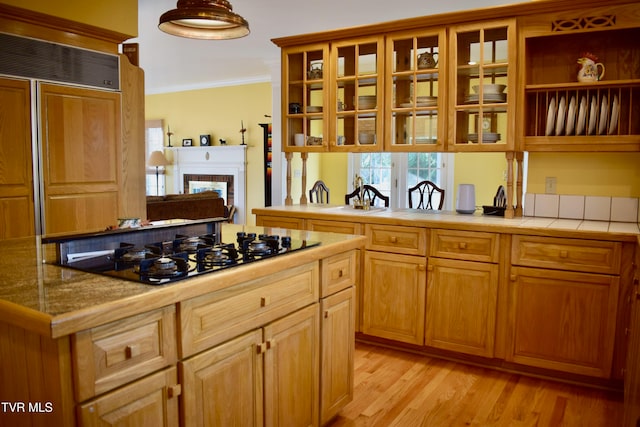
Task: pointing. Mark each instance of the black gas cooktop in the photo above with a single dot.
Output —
(156, 259)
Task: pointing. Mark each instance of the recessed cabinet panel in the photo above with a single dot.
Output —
(483, 83)
(413, 91)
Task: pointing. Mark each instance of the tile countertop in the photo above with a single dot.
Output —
(626, 231)
(55, 301)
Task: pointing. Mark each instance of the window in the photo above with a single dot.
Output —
(154, 140)
(394, 173)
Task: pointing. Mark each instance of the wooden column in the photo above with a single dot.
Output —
(288, 201)
(303, 197)
(509, 212)
(519, 179)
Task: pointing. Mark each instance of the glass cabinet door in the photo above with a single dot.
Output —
(415, 91)
(305, 102)
(357, 96)
(483, 87)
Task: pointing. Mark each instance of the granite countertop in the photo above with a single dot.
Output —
(56, 301)
(626, 231)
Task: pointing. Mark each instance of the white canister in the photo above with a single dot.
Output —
(299, 139)
(466, 199)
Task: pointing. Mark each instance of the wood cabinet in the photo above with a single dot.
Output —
(339, 278)
(415, 79)
(394, 283)
(336, 368)
(563, 315)
(81, 151)
(114, 354)
(277, 364)
(563, 114)
(280, 222)
(152, 400)
(483, 86)
(16, 172)
(462, 292)
(305, 97)
(393, 296)
(292, 368)
(632, 375)
(209, 399)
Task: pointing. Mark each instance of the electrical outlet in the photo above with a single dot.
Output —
(550, 185)
(297, 173)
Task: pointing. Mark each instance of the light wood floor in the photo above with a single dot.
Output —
(394, 388)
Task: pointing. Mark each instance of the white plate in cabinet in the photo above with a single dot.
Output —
(396, 239)
(114, 354)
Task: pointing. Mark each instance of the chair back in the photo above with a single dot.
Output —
(427, 195)
(370, 192)
(319, 193)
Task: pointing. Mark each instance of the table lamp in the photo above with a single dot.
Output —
(157, 159)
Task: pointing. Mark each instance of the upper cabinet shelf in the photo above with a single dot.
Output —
(482, 86)
(496, 79)
(562, 113)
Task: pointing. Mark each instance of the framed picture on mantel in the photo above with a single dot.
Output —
(187, 142)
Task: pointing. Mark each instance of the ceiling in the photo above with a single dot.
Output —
(175, 64)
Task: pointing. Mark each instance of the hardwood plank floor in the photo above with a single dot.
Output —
(396, 388)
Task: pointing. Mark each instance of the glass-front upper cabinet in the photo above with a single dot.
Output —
(305, 101)
(415, 91)
(357, 97)
(483, 80)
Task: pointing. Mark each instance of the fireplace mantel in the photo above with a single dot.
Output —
(216, 161)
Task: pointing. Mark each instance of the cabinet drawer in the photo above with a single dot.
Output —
(465, 245)
(396, 239)
(334, 226)
(338, 272)
(567, 254)
(280, 222)
(111, 355)
(210, 319)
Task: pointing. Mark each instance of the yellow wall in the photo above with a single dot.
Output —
(115, 15)
(591, 174)
(219, 112)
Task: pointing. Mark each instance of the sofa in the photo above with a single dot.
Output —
(207, 204)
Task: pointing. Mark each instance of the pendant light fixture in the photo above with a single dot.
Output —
(204, 19)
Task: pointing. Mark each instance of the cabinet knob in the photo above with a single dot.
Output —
(271, 343)
(430, 268)
(131, 351)
(462, 245)
(422, 267)
(174, 391)
(261, 348)
(394, 239)
(513, 277)
(564, 254)
(326, 314)
(265, 301)
(340, 273)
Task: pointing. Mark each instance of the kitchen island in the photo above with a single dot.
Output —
(541, 296)
(78, 347)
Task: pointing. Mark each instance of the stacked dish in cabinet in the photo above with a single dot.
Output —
(579, 112)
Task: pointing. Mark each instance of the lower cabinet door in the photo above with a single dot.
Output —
(563, 320)
(292, 369)
(224, 386)
(151, 401)
(393, 296)
(461, 306)
(336, 370)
